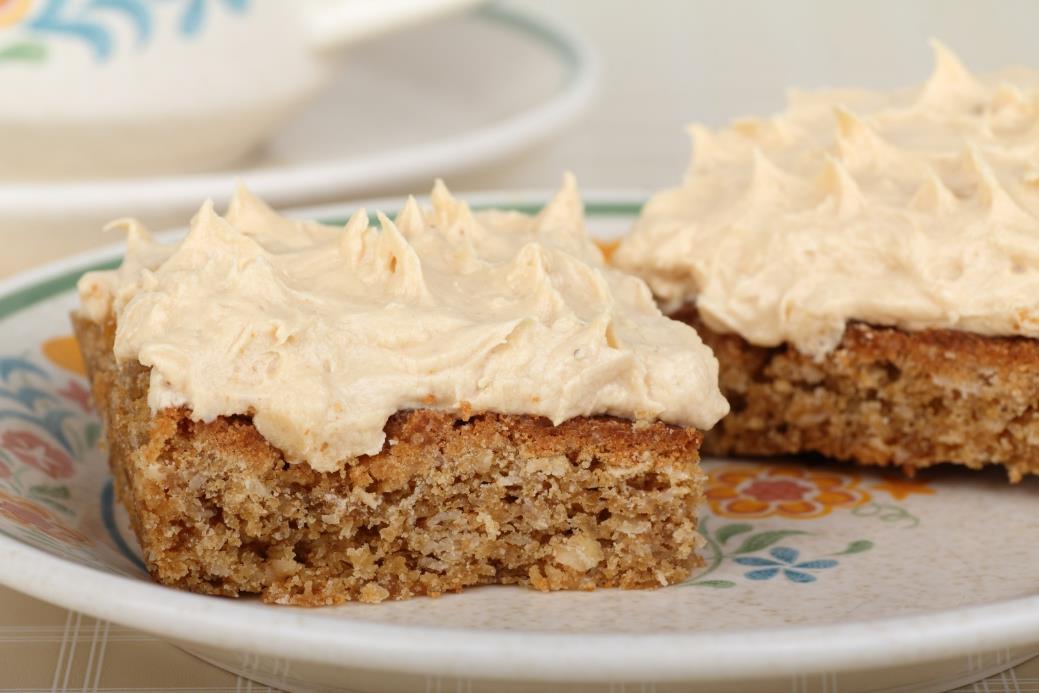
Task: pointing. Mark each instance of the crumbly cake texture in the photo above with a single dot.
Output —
(884, 397)
(452, 500)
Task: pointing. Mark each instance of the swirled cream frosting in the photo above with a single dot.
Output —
(917, 208)
(320, 333)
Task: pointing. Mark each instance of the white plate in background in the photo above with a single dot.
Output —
(403, 109)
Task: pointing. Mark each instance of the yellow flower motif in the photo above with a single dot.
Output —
(755, 491)
(64, 352)
(900, 489)
(13, 11)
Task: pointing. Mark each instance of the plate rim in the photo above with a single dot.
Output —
(314, 636)
(288, 184)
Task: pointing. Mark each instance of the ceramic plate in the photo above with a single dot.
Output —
(818, 576)
(406, 108)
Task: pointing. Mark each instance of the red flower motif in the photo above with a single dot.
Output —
(749, 490)
(79, 395)
(23, 513)
(28, 514)
(781, 490)
(32, 450)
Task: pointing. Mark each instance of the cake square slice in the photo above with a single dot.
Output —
(453, 494)
(865, 266)
(884, 396)
(455, 500)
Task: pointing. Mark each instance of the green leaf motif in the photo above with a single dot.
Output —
(716, 584)
(887, 512)
(49, 491)
(856, 547)
(24, 52)
(763, 540)
(729, 531)
(93, 432)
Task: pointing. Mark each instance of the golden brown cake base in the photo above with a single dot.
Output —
(882, 397)
(449, 502)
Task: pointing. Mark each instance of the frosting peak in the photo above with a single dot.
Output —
(917, 208)
(321, 333)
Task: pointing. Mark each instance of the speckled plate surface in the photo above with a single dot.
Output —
(818, 576)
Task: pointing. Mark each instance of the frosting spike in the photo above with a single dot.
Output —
(933, 196)
(207, 221)
(947, 65)
(251, 214)
(403, 268)
(351, 245)
(134, 229)
(853, 133)
(529, 273)
(441, 196)
(850, 128)
(1010, 111)
(949, 79)
(769, 182)
(706, 151)
(357, 223)
(860, 145)
(978, 169)
(991, 191)
(253, 217)
(855, 140)
(564, 211)
(453, 217)
(138, 236)
(208, 231)
(242, 200)
(839, 185)
(763, 133)
(410, 219)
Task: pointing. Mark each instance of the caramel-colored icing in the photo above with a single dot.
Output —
(917, 208)
(322, 333)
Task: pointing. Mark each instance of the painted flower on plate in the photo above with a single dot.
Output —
(30, 515)
(784, 560)
(13, 11)
(78, 395)
(32, 450)
(750, 491)
(900, 488)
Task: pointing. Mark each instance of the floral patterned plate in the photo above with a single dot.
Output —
(818, 576)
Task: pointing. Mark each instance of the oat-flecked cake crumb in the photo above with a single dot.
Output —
(450, 501)
(883, 396)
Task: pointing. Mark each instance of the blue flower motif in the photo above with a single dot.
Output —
(785, 561)
(13, 364)
(88, 22)
(194, 14)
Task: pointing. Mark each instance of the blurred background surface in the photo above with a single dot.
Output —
(493, 100)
